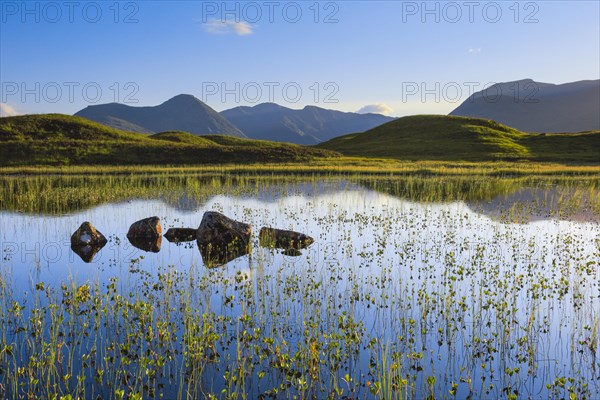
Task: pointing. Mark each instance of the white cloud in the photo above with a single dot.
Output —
(220, 27)
(379, 108)
(473, 50)
(7, 110)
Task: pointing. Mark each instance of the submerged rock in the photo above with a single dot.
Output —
(151, 245)
(178, 235)
(145, 228)
(221, 239)
(86, 242)
(282, 239)
(87, 235)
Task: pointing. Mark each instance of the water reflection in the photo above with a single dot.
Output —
(216, 256)
(87, 252)
(181, 235)
(149, 244)
(529, 204)
(292, 252)
(433, 286)
(572, 199)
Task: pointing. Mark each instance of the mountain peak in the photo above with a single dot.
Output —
(533, 106)
(183, 98)
(183, 112)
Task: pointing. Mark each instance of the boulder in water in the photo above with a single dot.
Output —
(221, 239)
(282, 239)
(178, 235)
(145, 228)
(86, 242)
(87, 235)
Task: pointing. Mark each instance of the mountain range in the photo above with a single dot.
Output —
(525, 105)
(311, 125)
(267, 121)
(538, 107)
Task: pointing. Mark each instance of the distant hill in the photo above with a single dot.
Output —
(55, 139)
(439, 137)
(181, 113)
(538, 107)
(311, 125)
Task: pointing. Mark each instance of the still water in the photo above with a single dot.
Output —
(395, 299)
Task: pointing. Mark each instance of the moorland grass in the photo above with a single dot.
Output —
(55, 139)
(439, 137)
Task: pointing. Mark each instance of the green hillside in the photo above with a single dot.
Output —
(438, 137)
(55, 139)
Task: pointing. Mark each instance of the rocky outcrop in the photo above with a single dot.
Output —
(178, 235)
(220, 231)
(221, 239)
(282, 239)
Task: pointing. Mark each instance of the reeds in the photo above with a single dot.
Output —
(476, 308)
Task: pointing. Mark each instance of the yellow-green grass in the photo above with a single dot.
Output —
(55, 139)
(438, 137)
(423, 144)
(59, 193)
(339, 166)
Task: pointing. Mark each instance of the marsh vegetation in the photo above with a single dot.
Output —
(426, 285)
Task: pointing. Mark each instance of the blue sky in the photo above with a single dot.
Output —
(398, 57)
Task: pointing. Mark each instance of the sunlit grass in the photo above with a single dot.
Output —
(337, 166)
(57, 191)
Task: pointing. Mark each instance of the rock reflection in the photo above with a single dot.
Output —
(151, 245)
(215, 256)
(87, 252)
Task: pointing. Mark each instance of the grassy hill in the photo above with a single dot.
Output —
(56, 139)
(438, 137)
